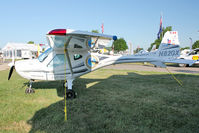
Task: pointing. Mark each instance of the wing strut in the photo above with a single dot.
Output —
(96, 41)
(67, 54)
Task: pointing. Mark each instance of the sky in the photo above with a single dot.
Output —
(137, 21)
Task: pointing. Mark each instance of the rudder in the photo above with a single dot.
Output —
(169, 47)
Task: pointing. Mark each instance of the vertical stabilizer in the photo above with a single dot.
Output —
(169, 47)
(171, 37)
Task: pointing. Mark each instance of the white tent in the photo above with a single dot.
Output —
(1, 53)
(20, 51)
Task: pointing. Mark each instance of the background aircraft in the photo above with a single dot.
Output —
(73, 53)
(190, 55)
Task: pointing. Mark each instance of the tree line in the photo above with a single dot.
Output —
(118, 45)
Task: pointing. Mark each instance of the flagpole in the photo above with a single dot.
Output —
(191, 43)
(162, 24)
(102, 27)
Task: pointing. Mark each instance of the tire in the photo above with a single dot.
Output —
(70, 94)
(29, 91)
(183, 65)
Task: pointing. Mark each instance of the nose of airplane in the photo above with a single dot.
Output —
(25, 67)
(21, 68)
(13, 65)
(22, 65)
(18, 65)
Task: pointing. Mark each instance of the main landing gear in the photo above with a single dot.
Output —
(70, 93)
(29, 90)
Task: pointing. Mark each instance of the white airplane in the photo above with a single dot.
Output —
(72, 54)
(189, 54)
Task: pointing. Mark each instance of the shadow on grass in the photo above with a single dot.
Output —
(78, 83)
(123, 103)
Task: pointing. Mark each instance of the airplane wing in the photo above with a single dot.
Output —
(91, 34)
(68, 32)
(77, 39)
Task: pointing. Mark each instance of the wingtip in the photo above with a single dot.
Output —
(114, 38)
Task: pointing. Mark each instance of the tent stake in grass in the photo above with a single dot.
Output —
(178, 81)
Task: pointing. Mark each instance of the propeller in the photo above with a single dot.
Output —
(12, 67)
(11, 71)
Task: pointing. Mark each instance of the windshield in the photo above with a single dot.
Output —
(45, 54)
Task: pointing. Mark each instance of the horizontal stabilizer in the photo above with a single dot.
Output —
(159, 64)
(180, 61)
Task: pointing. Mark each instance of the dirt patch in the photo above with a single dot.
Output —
(4, 66)
(20, 126)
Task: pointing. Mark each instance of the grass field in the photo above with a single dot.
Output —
(112, 101)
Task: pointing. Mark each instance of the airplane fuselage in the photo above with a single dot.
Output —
(56, 67)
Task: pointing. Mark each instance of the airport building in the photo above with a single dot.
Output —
(21, 51)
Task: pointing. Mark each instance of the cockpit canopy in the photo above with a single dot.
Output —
(44, 55)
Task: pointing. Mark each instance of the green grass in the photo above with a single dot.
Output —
(111, 101)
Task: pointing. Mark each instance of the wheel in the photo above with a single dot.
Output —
(183, 65)
(70, 94)
(29, 90)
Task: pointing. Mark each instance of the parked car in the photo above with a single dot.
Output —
(191, 55)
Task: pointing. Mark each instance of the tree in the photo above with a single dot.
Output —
(31, 42)
(120, 45)
(95, 31)
(138, 49)
(184, 48)
(158, 41)
(195, 45)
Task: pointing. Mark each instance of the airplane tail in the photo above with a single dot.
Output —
(171, 37)
(169, 50)
(169, 47)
